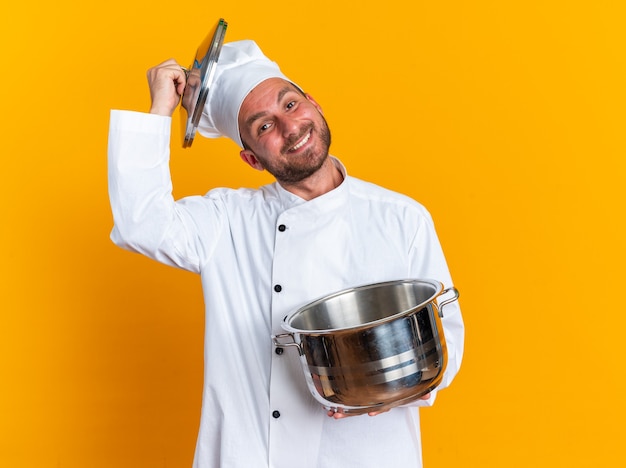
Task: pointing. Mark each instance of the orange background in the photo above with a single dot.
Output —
(506, 119)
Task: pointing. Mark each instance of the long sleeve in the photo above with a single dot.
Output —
(147, 220)
(428, 261)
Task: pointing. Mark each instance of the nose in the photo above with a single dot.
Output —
(289, 126)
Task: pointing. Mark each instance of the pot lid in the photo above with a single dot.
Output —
(199, 78)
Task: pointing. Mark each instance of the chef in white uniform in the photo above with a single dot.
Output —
(262, 253)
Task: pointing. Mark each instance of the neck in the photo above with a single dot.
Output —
(327, 178)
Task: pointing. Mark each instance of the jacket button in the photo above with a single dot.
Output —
(279, 351)
(278, 288)
(282, 228)
(276, 414)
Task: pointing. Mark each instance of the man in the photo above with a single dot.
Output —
(264, 253)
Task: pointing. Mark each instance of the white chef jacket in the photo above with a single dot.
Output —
(262, 254)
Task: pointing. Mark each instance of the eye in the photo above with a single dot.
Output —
(264, 127)
(290, 104)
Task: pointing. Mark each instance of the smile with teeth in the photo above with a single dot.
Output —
(302, 142)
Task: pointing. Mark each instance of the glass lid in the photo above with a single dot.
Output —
(199, 78)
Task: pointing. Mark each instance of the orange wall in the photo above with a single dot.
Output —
(506, 119)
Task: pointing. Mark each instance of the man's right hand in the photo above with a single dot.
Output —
(167, 83)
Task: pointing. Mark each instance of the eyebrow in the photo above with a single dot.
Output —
(250, 120)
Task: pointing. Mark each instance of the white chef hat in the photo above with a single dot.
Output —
(241, 66)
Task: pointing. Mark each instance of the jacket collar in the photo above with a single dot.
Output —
(327, 201)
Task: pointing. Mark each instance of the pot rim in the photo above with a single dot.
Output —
(286, 325)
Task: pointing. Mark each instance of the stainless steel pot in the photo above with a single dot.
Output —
(373, 347)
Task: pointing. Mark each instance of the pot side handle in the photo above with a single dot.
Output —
(448, 301)
(276, 339)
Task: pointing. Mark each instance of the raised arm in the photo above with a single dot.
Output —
(147, 219)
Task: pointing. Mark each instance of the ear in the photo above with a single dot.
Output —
(250, 159)
(314, 102)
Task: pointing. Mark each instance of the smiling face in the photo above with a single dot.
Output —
(283, 131)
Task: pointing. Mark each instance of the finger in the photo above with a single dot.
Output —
(168, 72)
(337, 415)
